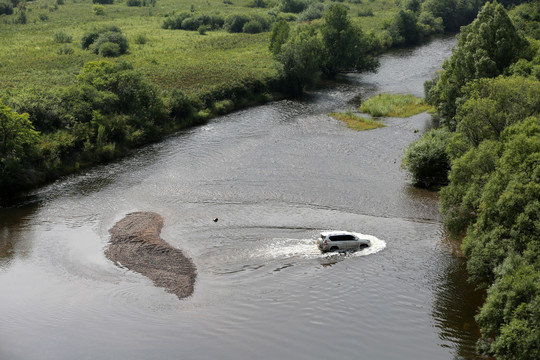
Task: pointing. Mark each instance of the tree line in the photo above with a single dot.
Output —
(486, 160)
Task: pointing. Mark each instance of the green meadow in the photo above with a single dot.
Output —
(171, 59)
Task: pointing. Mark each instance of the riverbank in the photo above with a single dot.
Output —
(136, 245)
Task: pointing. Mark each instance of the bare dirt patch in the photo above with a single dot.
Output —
(136, 244)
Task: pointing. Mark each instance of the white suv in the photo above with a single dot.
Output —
(341, 240)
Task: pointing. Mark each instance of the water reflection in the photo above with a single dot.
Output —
(13, 221)
(456, 303)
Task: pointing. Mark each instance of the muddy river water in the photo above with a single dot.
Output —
(275, 176)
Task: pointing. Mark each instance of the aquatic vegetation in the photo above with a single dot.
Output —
(355, 122)
(394, 105)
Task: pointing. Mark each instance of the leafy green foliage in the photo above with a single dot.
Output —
(61, 37)
(427, 160)
(6, 8)
(97, 38)
(510, 202)
(345, 46)
(280, 34)
(301, 57)
(18, 140)
(512, 310)
(108, 38)
(485, 48)
(312, 12)
(404, 28)
(16, 133)
(293, 6)
(98, 10)
(454, 13)
(491, 105)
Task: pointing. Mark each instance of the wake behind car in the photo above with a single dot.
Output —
(341, 240)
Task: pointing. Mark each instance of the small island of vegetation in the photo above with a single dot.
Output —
(357, 122)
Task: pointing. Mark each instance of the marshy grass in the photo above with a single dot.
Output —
(355, 122)
(394, 105)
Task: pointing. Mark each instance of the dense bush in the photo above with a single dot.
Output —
(65, 50)
(258, 4)
(345, 45)
(99, 10)
(96, 38)
(61, 37)
(280, 34)
(427, 160)
(6, 8)
(103, 2)
(109, 49)
(313, 12)
(293, 6)
(18, 141)
(235, 23)
(20, 18)
(188, 21)
(252, 27)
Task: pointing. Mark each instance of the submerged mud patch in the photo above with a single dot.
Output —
(135, 244)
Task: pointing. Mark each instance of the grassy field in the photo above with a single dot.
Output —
(197, 64)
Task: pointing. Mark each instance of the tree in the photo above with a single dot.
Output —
(345, 46)
(17, 133)
(509, 212)
(491, 105)
(301, 57)
(404, 29)
(280, 34)
(509, 320)
(427, 160)
(485, 48)
(18, 140)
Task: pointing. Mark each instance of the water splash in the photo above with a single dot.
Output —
(307, 248)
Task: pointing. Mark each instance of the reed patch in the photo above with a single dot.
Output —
(355, 122)
(394, 105)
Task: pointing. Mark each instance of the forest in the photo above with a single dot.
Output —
(485, 159)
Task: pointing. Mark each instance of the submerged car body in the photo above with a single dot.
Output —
(341, 240)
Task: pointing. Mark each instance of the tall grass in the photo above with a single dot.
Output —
(394, 105)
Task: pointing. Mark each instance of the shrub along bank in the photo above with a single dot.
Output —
(488, 151)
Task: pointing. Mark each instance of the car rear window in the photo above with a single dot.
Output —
(342, 238)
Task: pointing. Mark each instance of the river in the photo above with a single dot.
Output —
(275, 176)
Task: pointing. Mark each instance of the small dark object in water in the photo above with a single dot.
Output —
(214, 219)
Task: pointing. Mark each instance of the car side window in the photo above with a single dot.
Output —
(342, 238)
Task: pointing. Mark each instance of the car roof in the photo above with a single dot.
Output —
(331, 233)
